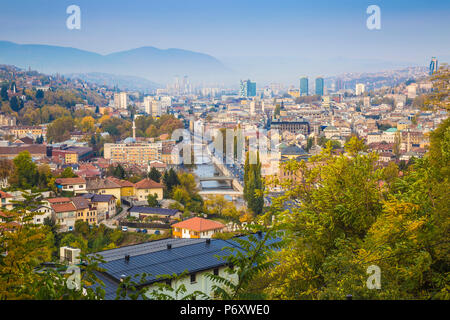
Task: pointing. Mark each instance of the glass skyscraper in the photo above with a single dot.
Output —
(319, 86)
(433, 65)
(304, 86)
(248, 88)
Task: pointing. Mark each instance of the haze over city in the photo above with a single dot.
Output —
(256, 39)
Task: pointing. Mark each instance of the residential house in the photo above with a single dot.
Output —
(65, 214)
(41, 213)
(197, 257)
(147, 186)
(105, 204)
(126, 187)
(76, 185)
(6, 200)
(196, 228)
(104, 187)
(86, 210)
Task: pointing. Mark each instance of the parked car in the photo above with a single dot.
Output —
(157, 232)
(144, 230)
(70, 228)
(138, 230)
(124, 228)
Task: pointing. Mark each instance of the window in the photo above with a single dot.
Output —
(193, 278)
(216, 271)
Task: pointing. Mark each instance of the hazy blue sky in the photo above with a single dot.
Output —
(315, 32)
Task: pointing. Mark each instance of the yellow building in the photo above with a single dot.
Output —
(71, 158)
(126, 187)
(147, 186)
(104, 186)
(196, 228)
(21, 131)
(85, 210)
(294, 93)
(6, 200)
(133, 153)
(403, 125)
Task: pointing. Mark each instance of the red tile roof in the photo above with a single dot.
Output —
(58, 200)
(122, 183)
(6, 214)
(63, 207)
(5, 195)
(199, 224)
(69, 181)
(147, 184)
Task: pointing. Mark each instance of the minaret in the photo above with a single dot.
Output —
(316, 134)
(134, 130)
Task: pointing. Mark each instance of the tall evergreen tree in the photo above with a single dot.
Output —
(4, 93)
(253, 185)
(14, 104)
(155, 175)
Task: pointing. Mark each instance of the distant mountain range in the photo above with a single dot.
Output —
(160, 66)
(127, 83)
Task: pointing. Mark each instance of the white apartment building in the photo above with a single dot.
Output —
(360, 88)
(121, 100)
(153, 107)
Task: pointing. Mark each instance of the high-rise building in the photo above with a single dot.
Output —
(304, 86)
(339, 84)
(248, 88)
(152, 106)
(433, 65)
(252, 107)
(319, 86)
(360, 88)
(120, 100)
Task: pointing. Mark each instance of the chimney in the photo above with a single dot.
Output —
(259, 233)
(208, 241)
(169, 246)
(127, 258)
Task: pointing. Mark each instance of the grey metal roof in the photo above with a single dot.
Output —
(98, 197)
(190, 258)
(154, 259)
(146, 247)
(151, 210)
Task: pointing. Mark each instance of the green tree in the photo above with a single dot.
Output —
(68, 173)
(26, 173)
(153, 200)
(14, 104)
(253, 184)
(4, 93)
(60, 129)
(39, 94)
(154, 174)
